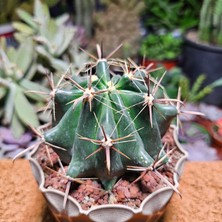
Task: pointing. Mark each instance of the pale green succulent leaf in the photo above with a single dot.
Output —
(60, 20)
(6, 63)
(17, 127)
(52, 30)
(11, 53)
(27, 18)
(28, 85)
(24, 109)
(57, 64)
(21, 27)
(78, 58)
(51, 35)
(24, 56)
(9, 105)
(41, 12)
(3, 91)
(20, 37)
(31, 71)
(42, 51)
(216, 83)
(68, 37)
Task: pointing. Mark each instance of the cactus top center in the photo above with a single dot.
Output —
(111, 86)
(89, 93)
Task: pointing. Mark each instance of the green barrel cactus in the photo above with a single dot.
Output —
(105, 122)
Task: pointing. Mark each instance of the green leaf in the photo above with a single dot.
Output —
(20, 37)
(31, 71)
(60, 20)
(26, 17)
(216, 83)
(9, 106)
(24, 109)
(51, 32)
(21, 27)
(68, 33)
(24, 55)
(41, 12)
(2, 92)
(29, 85)
(6, 64)
(57, 64)
(17, 127)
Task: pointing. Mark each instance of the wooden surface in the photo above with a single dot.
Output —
(20, 199)
(200, 186)
(201, 189)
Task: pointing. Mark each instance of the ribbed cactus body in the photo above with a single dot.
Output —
(107, 126)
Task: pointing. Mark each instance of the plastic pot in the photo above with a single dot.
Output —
(205, 59)
(166, 64)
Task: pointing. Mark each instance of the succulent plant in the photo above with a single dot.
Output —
(105, 123)
(10, 6)
(11, 146)
(51, 36)
(84, 15)
(17, 70)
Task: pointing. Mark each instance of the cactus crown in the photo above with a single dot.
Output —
(106, 122)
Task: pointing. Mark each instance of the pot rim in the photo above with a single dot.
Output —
(118, 206)
(201, 45)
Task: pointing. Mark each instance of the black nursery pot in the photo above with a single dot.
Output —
(199, 59)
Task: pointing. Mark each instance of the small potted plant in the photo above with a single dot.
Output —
(164, 23)
(111, 148)
(202, 51)
(162, 49)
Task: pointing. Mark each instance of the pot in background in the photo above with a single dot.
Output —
(198, 58)
(166, 64)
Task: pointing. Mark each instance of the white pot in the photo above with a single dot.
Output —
(151, 208)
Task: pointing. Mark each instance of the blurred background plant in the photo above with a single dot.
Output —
(170, 14)
(17, 75)
(164, 24)
(210, 28)
(45, 45)
(52, 38)
(175, 79)
(11, 146)
(161, 47)
(9, 7)
(118, 22)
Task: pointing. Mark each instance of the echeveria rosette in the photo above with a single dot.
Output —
(105, 124)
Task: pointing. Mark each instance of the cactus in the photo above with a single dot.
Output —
(84, 15)
(105, 122)
(210, 28)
